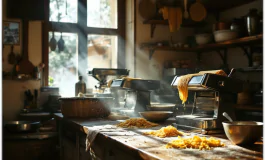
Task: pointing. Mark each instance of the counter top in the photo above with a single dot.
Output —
(149, 147)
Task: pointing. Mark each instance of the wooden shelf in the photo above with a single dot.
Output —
(186, 23)
(211, 6)
(240, 42)
(20, 79)
(249, 107)
(250, 69)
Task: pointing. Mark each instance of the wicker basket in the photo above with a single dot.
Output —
(86, 107)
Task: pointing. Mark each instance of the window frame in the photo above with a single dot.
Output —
(81, 29)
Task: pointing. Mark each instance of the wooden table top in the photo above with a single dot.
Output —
(149, 147)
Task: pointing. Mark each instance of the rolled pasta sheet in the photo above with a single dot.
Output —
(184, 81)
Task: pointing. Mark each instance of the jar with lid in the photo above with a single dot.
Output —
(253, 22)
(80, 86)
(239, 26)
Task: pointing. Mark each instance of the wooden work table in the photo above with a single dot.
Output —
(118, 143)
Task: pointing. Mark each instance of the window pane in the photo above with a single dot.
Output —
(102, 13)
(63, 65)
(102, 53)
(63, 11)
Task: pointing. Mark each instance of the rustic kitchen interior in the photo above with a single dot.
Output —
(132, 79)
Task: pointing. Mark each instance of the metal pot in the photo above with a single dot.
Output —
(21, 126)
(243, 132)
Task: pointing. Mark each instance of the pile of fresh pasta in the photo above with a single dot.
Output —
(168, 131)
(136, 122)
(195, 142)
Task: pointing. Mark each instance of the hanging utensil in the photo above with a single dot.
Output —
(61, 44)
(53, 43)
(12, 56)
(197, 11)
(186, 13)
(25, 66)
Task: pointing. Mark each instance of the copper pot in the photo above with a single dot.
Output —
(221, 26)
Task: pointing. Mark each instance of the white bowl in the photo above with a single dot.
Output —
(203, 38)
(224, 35)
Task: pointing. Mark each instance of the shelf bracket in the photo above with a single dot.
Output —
(151, 52)
(248, 51)
(153, 26)
(223, 56)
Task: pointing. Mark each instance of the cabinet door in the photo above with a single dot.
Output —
(116, 154)
(69, 149)
(84, 155)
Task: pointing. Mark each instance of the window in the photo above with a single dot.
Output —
(80, 35)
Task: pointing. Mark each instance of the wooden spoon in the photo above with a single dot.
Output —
(25, 66)
(186, 13)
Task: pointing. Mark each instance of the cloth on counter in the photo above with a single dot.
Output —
(93, 131)
(90, 138)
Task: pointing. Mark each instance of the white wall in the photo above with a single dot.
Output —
(13, 91)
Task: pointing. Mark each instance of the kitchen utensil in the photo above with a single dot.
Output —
(86, 107)
(156, 116)
(147, 9)
(203, 38)
(224, 35)
(227, 116)
(25, 126)
(21, 126)
(243, 132)
(35, 96)
(12, 56)
(25, 66)
(186, 13)
(61, 44)
(53, 43)
(197, 11)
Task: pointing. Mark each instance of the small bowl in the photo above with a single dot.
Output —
(156, 116)
(224, 35)
(243, 132)
(203, 38)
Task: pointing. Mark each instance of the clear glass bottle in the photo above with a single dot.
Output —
(80, 86)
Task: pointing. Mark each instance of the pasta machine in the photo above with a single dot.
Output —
(212, 95)
(137, 90)
(103, 75)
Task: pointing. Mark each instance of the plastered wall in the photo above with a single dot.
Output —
(13, 91)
